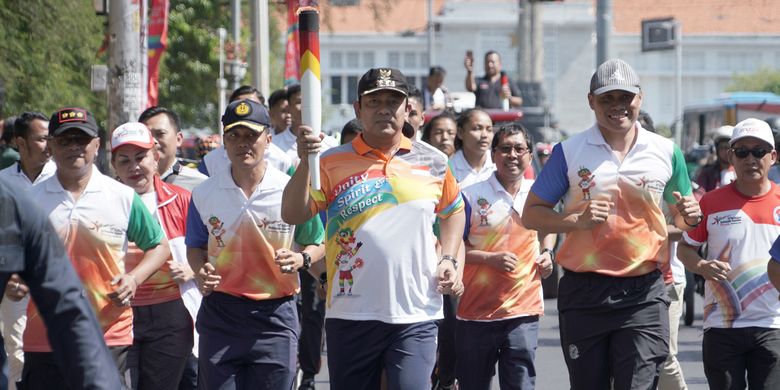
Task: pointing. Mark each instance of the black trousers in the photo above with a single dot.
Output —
(162, 341)
(312, 323)
(614, 330)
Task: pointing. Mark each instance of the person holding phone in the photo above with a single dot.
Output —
(495, 86)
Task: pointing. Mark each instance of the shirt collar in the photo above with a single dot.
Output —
(362, 148)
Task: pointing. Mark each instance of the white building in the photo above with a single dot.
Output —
(720, 40)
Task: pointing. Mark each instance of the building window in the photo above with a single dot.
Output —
(394, 59)
(335, 90)
(368, 59)
(352, 59)
(352, 82)
(336, 60)
(424, 60)
(410, 60)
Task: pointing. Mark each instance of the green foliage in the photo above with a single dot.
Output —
(764, 80)
(48, 47)
(190, 66)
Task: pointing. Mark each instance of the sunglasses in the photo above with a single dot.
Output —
(68, 139)
(757, 152)
(518, 148)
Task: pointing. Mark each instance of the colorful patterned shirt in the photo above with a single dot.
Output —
(95, 230)
(380, 248)
(739, 230)
(494, 226)
(632, 241)
(242, 234)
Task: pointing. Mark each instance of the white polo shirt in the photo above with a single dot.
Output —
(632, 241)
(494, 225)
(242, 234)
(14, 174)
(95, 230)
(465, 174)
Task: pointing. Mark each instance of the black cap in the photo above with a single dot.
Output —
(72, 118)
(248, 113)
(378, 79)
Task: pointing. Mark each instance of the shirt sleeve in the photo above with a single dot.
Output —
(317, 200)
(451, 201)
(698, 235)
(775, 250)
(680, 181)
(197, 235)
(467, 209)
(144, 230)
(553, 181)
(310, 232)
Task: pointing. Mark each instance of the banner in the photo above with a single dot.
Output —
(291, 57)
(158, 42)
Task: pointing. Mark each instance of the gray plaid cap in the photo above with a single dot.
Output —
(614, 74)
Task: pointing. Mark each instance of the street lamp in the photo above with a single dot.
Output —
(235, 70)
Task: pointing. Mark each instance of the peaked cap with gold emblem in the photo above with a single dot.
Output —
(247, 113)
(378, 79)
(72, 118)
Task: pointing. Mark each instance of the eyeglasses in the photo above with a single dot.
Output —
(518, 148)
(757, 152)
(80, 139)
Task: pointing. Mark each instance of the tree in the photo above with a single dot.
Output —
(48, 48)
(764, 80)
(190, 65)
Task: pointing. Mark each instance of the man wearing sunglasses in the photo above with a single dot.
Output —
(95, 217)
(612, 301)
(742, 311)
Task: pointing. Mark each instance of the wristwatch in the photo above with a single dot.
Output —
(449, 258)
(550, 251)
(306, 261)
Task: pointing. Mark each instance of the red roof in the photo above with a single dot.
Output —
(697, 16)
(700, 16)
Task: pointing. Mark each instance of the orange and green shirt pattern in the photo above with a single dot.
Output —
(494, 225)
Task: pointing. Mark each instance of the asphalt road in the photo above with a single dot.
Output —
(550, 366)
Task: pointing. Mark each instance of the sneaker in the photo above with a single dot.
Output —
(306, 384)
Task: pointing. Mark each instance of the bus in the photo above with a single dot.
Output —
(701, 118)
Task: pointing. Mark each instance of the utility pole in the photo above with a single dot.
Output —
(126, 82)
(603, 30)
(235, 19)
(531, 37)
(260, 46)
(431, 35)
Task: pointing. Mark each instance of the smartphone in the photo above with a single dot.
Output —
(469, 54)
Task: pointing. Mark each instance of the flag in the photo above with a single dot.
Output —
(158, 42)
(291, 57)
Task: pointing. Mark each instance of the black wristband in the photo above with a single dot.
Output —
(694, 225)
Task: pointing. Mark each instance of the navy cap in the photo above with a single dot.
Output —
(72, 118)
(248, 113)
